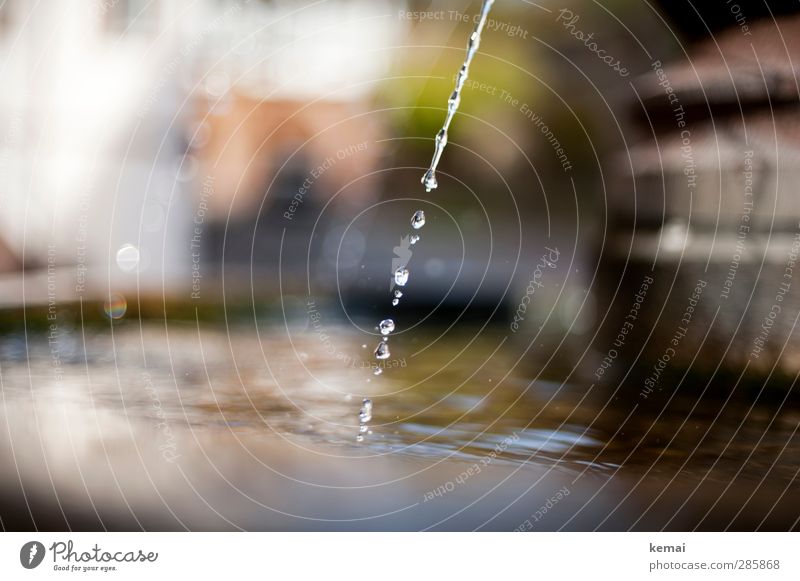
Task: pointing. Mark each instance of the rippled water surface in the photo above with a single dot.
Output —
(181, 395)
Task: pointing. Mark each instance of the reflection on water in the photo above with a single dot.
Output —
(460, 400)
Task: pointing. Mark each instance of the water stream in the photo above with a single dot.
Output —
(401, 274)
(429, 179)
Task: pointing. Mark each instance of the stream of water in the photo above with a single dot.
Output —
(401, 274)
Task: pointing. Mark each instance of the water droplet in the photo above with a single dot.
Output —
(363, 428)
(398, 293)
(377, 371)
(386, 326)
(417, 221)
(365, 414)
(382, 350)
(429, 180)
(401, 276)
(414, 239)
(127, 257)
(359, 438)
(364, 346)
(395, 302)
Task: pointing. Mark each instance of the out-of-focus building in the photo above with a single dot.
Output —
(168, 125)
(706, 216)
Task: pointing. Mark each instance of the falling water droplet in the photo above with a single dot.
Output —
(429, 180)
(377, 371)
(127, 257)
(395, 302)
(417, 221)
(414, 239)
(401, 276)
(365, 414)
(398, 293)
(386, 326)
(382, 350)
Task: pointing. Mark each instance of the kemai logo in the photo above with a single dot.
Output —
(31, 554)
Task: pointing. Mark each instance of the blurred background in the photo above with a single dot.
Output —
(202, 203)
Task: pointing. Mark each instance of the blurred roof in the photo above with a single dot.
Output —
(730, 72)
(695, 20)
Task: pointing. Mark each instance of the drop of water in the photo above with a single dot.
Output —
(127, 257)
(398, 293)
(382, 350)
(377, 371)
(429, 180)
(386, 326)
(363, 428)
(395, 302)
(417, 221)
(359, 438)
(365, 414)
(401, 276)
(414, 239)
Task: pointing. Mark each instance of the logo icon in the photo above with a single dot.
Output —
(402, 255)
(31, 554)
